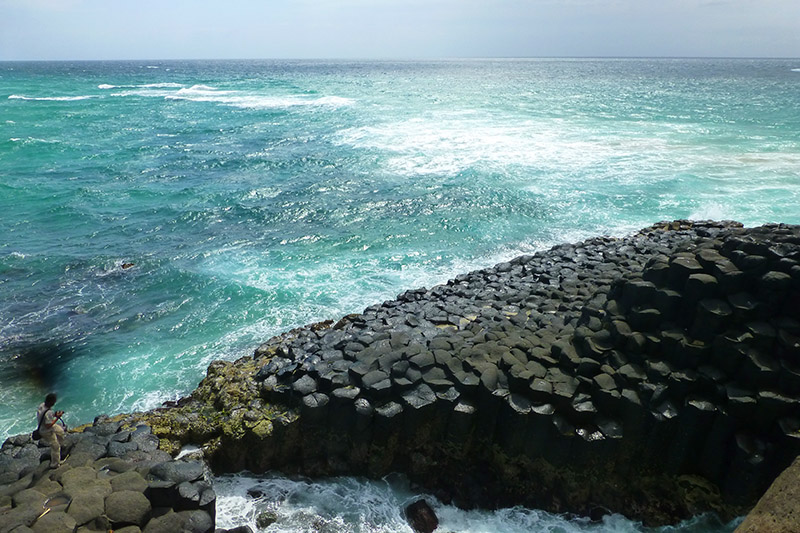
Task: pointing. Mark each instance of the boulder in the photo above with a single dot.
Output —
(55, 522)
(86, 506)
(421, 517)
(127, 507)
(178, 471)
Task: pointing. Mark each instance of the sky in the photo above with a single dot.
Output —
(394, 29)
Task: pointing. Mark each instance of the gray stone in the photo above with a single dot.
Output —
(700, 286)
(638, 292)
(645, 319)
(305, 385)
(374, 377)
(776, 282)
(178, 471)
(711, 318)
(130, 480)
(632, 373)
(76, 478)
(127, 529)
(118, 449)
(681, 267)
(55, 522)
(86, 506)
(266, 519)
(541, 390)
(28, 497)
(127, 507)
(314, 407)
(146, 443)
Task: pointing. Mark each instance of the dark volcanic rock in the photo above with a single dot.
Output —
(421, 517)
(656, 375)
(672, 339)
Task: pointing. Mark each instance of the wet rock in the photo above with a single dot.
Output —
(266, 519)
(421, 517)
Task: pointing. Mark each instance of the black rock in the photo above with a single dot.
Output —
(421, 517)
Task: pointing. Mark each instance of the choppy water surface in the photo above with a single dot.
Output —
(348, 505)
(157, 216)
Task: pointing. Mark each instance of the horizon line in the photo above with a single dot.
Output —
(397, 59)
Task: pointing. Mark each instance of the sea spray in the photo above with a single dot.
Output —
(355, 505)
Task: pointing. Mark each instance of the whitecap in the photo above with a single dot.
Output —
(711, 211)
(52, 98)
(199, 93)
(262, 102)
(160, 85)
(201, 88)
(28, 140)
(163, 85)
(796, 70)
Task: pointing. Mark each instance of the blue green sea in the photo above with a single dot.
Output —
(156, 216)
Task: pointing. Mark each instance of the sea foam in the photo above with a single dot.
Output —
(205, 93)
(164, 85)
(53, 98)
(354, 505)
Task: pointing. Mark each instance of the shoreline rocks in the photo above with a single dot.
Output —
(113, 476)
(656, 375)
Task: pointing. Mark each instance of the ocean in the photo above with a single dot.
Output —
(156, 216)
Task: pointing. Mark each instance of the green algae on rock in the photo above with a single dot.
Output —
(656, 376)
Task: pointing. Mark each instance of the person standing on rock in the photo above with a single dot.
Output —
(51, 432)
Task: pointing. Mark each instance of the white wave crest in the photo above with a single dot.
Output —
(447, 144)
(30, 140)
(163, 85)
(160, 85)
(711, 211)
(52, 98)
(199, 93)
(796, 70)
(199, 89)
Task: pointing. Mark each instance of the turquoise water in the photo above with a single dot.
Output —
(252, 197)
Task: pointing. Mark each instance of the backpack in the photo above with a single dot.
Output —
(36, 435)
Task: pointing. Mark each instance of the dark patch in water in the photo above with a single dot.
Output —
(41, 362)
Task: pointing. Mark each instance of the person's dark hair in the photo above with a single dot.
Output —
(50, 399)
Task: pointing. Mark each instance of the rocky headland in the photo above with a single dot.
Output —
(656, 375)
